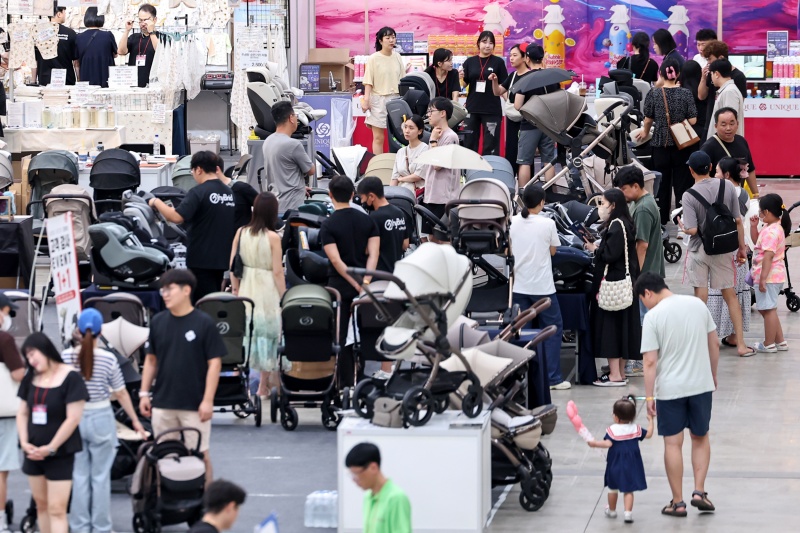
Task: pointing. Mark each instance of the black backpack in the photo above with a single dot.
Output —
(718, 232)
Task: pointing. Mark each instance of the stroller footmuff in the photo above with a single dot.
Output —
(434, 285)
(169, 482)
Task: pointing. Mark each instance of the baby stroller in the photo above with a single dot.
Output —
(310, 316)
(230, 313)
(792, 240)
(128, 307)
(422, 82)
(169, 482)
(172, 196)
(305, 260)
(26, 318)
(501, 171)
(46, 171)
(182, 174)
(119, 259)
(113, 172)
(434, 285)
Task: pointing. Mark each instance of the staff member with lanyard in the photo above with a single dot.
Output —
(141, 46)
(484, 108)
(517, 57)
(445, 79)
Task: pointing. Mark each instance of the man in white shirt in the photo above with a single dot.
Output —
(728, 94)
(681, 353)
(702, 38)
(535, 240)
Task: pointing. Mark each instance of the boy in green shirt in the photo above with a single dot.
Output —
(386, 506)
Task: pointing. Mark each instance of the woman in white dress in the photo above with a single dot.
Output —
(406, 171)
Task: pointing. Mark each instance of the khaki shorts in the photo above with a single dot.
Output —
(715, 271)
(164, 419)
(377, 110)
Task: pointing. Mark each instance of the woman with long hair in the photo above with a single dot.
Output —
(667, 157)
(91, 495)
(262, 281)
(406, 172)
(381, 83)
(517, 58)
(53, 395)
(485, 112)
(616, 335)
(445, 79)
(664, 45)
(640, 62)
(691, 79)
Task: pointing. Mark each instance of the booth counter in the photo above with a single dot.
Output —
(771, 126)
(21, 140)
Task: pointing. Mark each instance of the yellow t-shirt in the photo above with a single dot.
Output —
(383, 73)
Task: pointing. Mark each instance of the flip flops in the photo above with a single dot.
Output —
(675, 509)
(728, 344)
(605, 381)
(702, 503)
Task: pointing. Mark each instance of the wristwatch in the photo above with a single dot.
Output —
(144, 394)
(52, 451)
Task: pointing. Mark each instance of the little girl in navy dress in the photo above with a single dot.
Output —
(624, 468)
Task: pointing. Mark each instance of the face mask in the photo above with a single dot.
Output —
(6, 323)
(603, 212)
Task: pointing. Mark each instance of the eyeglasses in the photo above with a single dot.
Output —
(142, 21)
(163, 291)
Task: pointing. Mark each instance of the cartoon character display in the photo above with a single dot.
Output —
(497, 19)
(619, 35)
(677, 27)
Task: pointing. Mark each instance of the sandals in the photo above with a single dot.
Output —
(702, 503)
(675, 509)
(750, 352)
(728, 344)
(605, 381)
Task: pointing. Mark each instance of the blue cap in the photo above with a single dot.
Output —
(90, 319)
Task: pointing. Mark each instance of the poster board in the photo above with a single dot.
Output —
(64, 270)
(777, 44)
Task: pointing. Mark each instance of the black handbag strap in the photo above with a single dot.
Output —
(89, 44)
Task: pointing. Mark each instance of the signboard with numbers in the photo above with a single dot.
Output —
(64, 270)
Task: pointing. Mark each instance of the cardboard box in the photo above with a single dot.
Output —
(336, 61)
(202, 146)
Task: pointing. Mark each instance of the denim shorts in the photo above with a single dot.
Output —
(693, 412)
(768, 300)
(529, 141)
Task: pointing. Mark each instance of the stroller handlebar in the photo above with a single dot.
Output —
(377, 274)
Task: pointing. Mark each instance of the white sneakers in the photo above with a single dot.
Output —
(609, 513)
(629, 517)
(760, 347)
(564, 385)
(613, 514)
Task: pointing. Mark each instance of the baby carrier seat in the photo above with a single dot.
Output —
(118, 254)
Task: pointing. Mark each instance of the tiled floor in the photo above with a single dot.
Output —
(754, 478)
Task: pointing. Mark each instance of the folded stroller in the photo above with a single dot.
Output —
(113, 172)
(310, 317)
(434, 285)
(169, 482)
(231, 315)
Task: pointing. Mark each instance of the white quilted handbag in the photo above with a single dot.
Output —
(617, 295)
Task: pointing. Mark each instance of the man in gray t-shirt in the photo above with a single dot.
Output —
(286, 163)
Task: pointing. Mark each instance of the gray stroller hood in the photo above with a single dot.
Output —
(6, 170)
(554, 113)
(47, 170)
(182, 174)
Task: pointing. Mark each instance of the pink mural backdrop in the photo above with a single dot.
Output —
(587, 36)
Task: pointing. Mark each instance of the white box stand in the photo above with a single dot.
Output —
(444, 467)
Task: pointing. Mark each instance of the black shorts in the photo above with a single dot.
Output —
(58, 468)
(438, 211)
(693, 412)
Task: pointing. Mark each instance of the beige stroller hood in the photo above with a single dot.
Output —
(83, 213)
(554, 113)
(485, 189)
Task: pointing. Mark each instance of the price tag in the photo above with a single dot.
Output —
(253, 58)
(20, 36)
(20, 7)
(159, 114)
(123, 76)
(58, 78)
(45, 32)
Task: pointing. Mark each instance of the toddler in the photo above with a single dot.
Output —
(624, 467)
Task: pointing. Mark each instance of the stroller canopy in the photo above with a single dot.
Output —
(554, 113)
(53, 166)
(419, 80)
(484, 189)
(501, 170)
(6, 171)
(182, 174)
(115, 170)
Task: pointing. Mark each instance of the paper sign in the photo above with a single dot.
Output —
(58, 78)
(16, 115)
(64, 270)
(794, 48)
(123, 76)
(777, 44)
(80, 95)
(45, 32)
(309, 78)
(159, 114)
(20, 7)
(252, 58)
(33, 114)
(405, 42)
(43, 8)
(90, 3)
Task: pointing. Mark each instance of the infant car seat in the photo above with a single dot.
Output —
(118, 258)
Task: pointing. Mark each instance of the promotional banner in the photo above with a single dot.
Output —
(64, 270)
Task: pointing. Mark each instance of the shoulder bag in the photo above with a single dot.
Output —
(237, 266)
(682, 132)
(511, 112)
(617, 295)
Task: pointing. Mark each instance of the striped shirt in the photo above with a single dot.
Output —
(106, 374)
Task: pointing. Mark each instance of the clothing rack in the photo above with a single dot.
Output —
(185, 19)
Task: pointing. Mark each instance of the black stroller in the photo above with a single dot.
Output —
(47, 170)
(114, 171)
(310, 316)
(305, 260)
(230, 313)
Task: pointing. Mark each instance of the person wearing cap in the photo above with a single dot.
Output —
(716, 271)
(91, 494)
(12, 370)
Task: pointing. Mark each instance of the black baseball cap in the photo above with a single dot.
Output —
(6, 302)
(699, 162)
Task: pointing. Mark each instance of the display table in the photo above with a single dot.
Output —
(21, 140)
(575, 315)
(151, 299)
(152, 176)
(770, 126)
(17, 249)
(449, 485)
(140, 128)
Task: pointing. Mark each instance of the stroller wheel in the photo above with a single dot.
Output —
(672, 252)
(240, 411)
(441, 403)
(28, 524)
(417, 406)
(10, 511)
(531, 497)
(472, 404)
(257, 410)
(141, 523)
(793, 302)
(273, 405)
(331, 420)
(364, 398)
(289, 418)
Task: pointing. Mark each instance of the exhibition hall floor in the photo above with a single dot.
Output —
(754, 478)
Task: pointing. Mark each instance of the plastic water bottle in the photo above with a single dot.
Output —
(334, 509)
(100, 146)
(156, 146)
(308, 518)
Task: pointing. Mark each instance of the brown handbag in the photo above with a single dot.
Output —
(682, 133)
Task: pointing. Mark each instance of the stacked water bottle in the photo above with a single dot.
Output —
(322, 509)
(360, 66)
(786, 71)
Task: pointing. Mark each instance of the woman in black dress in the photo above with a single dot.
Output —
(96, 49)
(640, 62)
(485, 113)
(53, 395)
(616, 335)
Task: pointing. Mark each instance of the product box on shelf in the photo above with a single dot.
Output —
(334, 61)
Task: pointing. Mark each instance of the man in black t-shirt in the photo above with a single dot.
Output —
(726, 143)
(67, 51)
(184, 357)
(209, 208)
(244, 196)
(391, 221)
(221, 502)
(141, 46)
(350, 240)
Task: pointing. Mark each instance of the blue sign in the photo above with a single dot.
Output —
(322, 127)
(405, 42)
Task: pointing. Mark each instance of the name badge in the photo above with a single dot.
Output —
(480, 87)
(39, 415)
(141, 61)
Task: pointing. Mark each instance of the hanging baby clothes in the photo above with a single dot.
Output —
(21, 53)
(250, 38)
(195, 67)
(219, 46)
(277, 51)
(46, 38)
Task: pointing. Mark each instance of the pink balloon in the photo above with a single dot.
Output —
(572, 409)
(577, 421)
